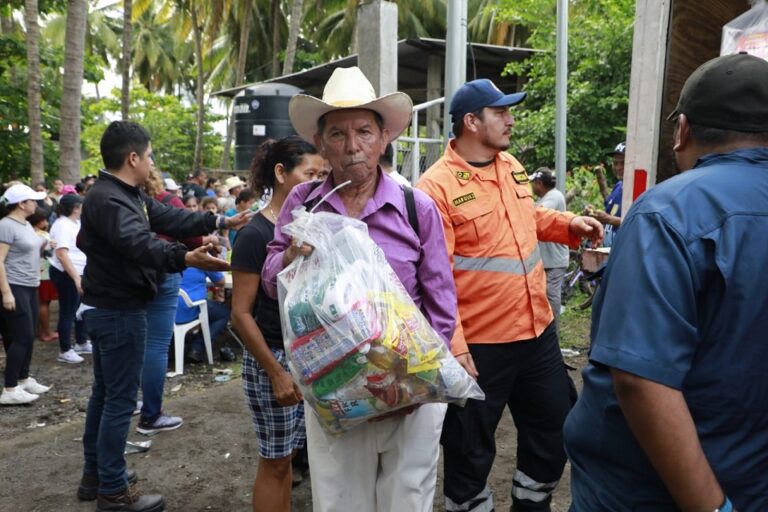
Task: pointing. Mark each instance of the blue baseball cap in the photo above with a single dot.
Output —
(481, 93)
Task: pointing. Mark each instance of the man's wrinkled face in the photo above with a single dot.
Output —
(352, 142)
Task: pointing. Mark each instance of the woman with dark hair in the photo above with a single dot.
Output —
(20, 249)
(275, 401)
(67, 265)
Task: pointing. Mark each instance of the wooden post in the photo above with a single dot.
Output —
(649, 49)
(377, 44)
(434, 91)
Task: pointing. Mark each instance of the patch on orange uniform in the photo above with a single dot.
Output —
(464, 199)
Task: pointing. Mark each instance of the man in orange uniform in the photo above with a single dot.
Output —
(505, 336)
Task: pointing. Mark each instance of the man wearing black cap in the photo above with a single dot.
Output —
(554, 256)
(673, 414)
(505, 334)
(611, 216)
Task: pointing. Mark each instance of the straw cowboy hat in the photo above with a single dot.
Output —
(348, 88)
(232, 182)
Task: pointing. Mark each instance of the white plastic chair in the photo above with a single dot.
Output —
(180, 331)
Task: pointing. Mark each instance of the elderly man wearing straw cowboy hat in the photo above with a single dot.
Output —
(388, 465)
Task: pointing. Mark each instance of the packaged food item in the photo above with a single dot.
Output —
(356, 343)
(747, 33)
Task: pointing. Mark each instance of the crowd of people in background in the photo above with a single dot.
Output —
(53, 213)
(672, 412)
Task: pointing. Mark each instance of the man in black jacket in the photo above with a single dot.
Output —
(125, 263)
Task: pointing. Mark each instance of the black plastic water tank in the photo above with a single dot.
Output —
(261, 112)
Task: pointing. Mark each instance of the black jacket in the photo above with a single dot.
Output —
(125, 259)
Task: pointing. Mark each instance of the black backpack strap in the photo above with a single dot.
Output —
(310, 203)
(167, 199)
(410, 206)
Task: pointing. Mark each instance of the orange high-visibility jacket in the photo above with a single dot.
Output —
(492, 230)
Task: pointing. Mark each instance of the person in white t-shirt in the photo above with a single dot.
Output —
(554, 256)
(67, 265)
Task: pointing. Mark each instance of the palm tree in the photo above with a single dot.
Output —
(246, 15)
(160, 61)
(125, 96)
(74, 53)
(33, 92)
(102, 38)
(293, 35)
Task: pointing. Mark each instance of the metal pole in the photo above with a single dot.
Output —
(455, 56)
(561, 93)
(415, 149)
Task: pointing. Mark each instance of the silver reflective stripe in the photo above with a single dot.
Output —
(525, 494)
(526, 488)
(483, 502)
(505, 265)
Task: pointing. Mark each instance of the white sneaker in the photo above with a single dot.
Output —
(70, 356)
(17, 396)
(84, 348)
(30, 385)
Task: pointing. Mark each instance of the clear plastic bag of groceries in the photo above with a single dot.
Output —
(356, 343)
(747, 33)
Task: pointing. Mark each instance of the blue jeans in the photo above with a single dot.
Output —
(118, 352)
(161, 313)
(69, 301)
(218, 318)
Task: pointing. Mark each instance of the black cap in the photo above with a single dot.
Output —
(729, 92)
(70, 200)
(545, 176)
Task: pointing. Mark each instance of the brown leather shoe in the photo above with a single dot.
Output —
(89, 485)
(130, 500)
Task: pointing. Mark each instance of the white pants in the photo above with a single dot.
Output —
(385, 466)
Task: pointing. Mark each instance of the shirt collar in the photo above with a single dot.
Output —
(757, 155)
(463, 172)
(108, 176)
(387, 191)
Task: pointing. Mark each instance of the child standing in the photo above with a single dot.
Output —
(47, 291)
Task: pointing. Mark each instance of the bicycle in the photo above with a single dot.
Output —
(578, 278)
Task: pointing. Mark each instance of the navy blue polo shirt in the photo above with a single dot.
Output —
(684, 303)
(613, 207)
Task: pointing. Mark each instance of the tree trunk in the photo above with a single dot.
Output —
(601, 181)
(245, 32)
(33, 92)
(125, 96)
(293, 36)
(197, 161)
(74, 47)
(6, 24)
(275, 37)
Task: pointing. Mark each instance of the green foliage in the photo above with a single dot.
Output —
(599, 57)
(14, 134)
(170, 123)
(575, 323)
(582, 184)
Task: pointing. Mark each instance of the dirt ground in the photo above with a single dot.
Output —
(207, 465)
